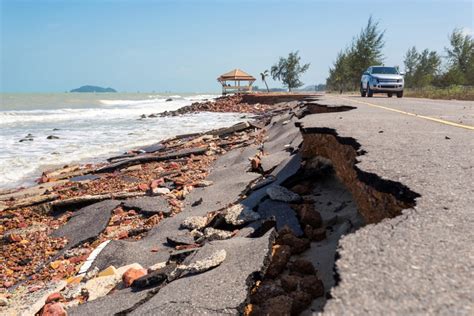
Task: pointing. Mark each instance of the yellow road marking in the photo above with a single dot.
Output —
(413, 114)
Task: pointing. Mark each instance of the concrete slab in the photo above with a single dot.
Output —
(86, 223)
(283, 214)
(148, 205)
(222, 290)
(229, 183)
(112, 304)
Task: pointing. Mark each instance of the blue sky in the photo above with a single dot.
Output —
(183, 46)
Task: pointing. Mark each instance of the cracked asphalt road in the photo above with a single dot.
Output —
(420, 262)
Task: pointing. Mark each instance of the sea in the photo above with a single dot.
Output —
(88, 128)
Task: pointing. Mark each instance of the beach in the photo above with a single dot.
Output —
(285, 211)
(43, 131)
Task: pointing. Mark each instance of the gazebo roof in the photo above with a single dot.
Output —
(236, 75)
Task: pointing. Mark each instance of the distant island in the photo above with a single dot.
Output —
(93, 89)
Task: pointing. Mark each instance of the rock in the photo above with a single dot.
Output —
(131, 275)
(202, 265)
(155, 183)
(12, 238)
(52, 137)
(203, 183)
(71, 291)
(123, 269)
(55, 309)
(315, 234)
(312, 285)
(154, 278)
(194, 222)
(100, 286)
(160, 191)
(280, 256)
(297, 245)
(133, 168)
(301, 300)
(279, 193)
(302, 267)
(3, 301)
(290, 282)
(279, 305)
(54, 297)
(255, 163)
(216, 234)
(169, 99)
(309, 216)
(266, 290)
(239, 214)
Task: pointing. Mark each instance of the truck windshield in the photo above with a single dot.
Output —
(385, 70)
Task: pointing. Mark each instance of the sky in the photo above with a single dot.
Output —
(183, 46)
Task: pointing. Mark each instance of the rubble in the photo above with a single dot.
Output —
(279, 193)
(240, 214)
(107, 215)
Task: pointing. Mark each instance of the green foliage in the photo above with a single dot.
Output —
(447, 93)
(461, 57)
(288, 70)
(365, 51)
(421, 68)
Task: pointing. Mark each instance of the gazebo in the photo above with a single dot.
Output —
(235, 77)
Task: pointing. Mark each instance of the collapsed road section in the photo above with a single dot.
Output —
(269, 231)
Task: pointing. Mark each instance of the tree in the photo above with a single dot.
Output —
(460, 57)
(288, 70)
(264, 75)
(365, 51)
(411, 62)
(421, 68)
(337, 79)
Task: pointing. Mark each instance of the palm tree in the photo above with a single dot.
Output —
(265, 75)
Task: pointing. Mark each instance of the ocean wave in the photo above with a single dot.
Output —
(89, 141)
(112, 111)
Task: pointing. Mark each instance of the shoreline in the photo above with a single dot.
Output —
(173, 174)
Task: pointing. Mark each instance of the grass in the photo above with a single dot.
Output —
(449, 93)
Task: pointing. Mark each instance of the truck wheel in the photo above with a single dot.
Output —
(362, 91)
(400, 94)
(389, 95)
(370, 92)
